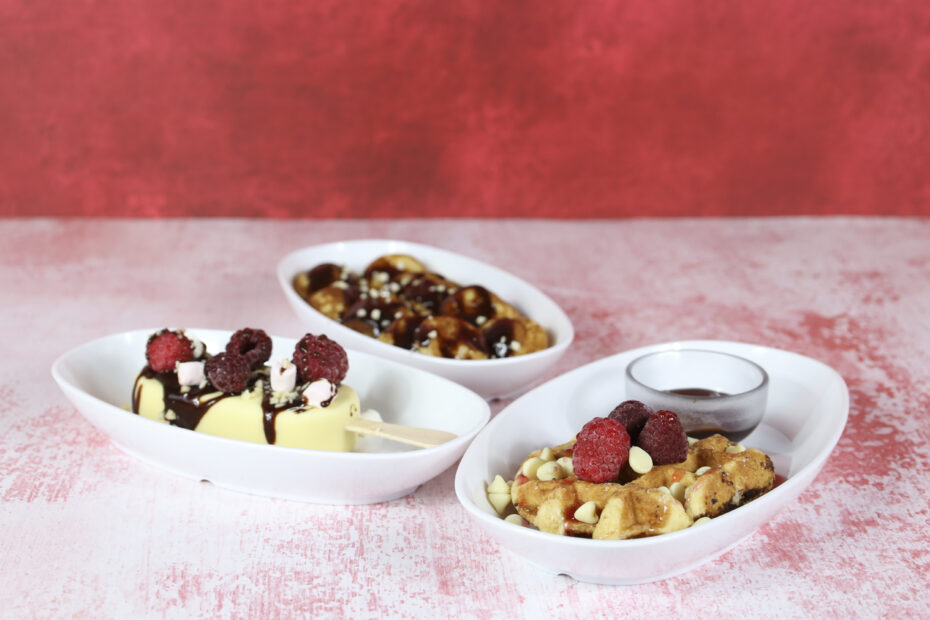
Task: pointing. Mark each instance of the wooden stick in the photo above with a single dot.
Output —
(420, 437)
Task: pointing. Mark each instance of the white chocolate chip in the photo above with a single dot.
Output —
(678, 491)
(546, 454)
(481, 320)
(514, 518)
(692, 441)
(198, 349)
(500, 501)
(530, 466)
(514, 345)
(587, 513)
(735, 449)
(498, 485)
(640, 461)
(701, 521)
(565, 463)
(702, 470)
(376, 315)
(171, 415)
(664, 489)
(550, 470)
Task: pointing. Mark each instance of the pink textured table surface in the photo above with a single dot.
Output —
(85, 530)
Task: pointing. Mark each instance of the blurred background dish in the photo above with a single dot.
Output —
(492, 378)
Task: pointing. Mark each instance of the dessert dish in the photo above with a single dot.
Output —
(96, 377)
(807, 408)
(298, 402)
(631, 474)
(397, 300)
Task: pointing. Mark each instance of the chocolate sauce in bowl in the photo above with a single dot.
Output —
(706, 431)
(732, 435)
(697, 392)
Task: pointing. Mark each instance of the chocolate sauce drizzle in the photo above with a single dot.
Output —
(188, 409)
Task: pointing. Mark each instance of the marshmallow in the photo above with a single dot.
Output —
(190, 373)
(283, 376)
(319, 392)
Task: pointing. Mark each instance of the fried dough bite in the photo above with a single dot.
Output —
(508, 337)
(446, 336)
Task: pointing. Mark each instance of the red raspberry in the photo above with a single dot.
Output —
(165, 348)
(664, 438)
(601, 450)
(318, 357)
(252, 344)
(228, 373)
(632, 414)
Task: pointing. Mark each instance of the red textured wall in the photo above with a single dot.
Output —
(498, 107)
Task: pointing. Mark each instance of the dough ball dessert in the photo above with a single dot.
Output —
(397, 300)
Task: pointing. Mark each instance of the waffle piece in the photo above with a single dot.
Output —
(507, 337)
(709, 482)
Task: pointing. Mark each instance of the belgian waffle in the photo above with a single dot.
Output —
(718, 475)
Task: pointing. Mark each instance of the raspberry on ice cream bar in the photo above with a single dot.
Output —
(252, 344)
(318, 357)
(228, 373)
(166, 348)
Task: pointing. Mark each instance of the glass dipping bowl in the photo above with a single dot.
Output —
(711, 392)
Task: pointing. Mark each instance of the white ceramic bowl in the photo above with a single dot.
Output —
(97, 378)
(496, 378)
(807, 410)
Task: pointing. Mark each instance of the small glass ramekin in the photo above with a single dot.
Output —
(712, 392)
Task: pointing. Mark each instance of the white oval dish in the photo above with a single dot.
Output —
(496, 378)
(97, 377)
(807, 410)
